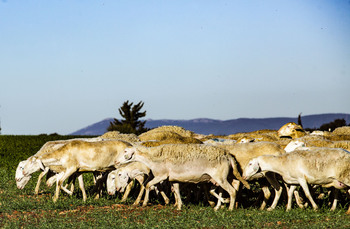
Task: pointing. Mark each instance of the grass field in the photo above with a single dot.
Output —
(23, 209)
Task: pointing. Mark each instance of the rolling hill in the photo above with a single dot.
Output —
(223, 127)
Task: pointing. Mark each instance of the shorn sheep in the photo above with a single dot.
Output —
(122, 179)
(189, 163)
(244, 152)
(48, 147)
(78, 156)
(329, 167)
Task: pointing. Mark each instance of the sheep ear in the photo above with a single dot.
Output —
(256, 166)
(41, 165)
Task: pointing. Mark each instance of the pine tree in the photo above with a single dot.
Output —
(130, 122)
(299, 120)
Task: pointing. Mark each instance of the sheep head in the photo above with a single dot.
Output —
(252, 168)
(19, 171)
(33, 165)
(111, 183)
(294, 144)
(22, 182)
(125, 157)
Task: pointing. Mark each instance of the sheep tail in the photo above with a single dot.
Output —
(237, 174)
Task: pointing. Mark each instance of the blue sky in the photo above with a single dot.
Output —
(68, 64)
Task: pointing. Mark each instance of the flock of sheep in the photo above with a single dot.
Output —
(172, 158)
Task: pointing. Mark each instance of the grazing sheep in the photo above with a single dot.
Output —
(50, 146)
(244, 152)
(329, 167)
(21, 179)
(122, 179)
(78, 156)
(191, 163)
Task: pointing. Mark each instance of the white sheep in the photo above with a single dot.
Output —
(294, 144)
(50, 146)
(122, 179)
(244, 152)
(328, 167)
(76, 156)
(186, 163)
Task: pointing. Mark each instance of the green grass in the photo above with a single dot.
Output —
(23, 209)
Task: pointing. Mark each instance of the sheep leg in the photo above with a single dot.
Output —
(335, 201)
(219, 197)
(81, 185)
(71, 180)
(154, 181)
(99, 179)
(69, 192)
(176, 188)
(267, 195)
(228, 188)
(277, 188)
(305, 187)
(235, 185)
(290, 197)
(140, 179)
(165, 198)
(142, 190)
(298, 199)
(66, 174)
(36, 190)
(139, 197)
(127, 191)
(211, 203)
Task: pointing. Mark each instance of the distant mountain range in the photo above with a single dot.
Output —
(226, 127)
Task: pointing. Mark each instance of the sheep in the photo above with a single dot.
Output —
(167, 137)
(122, 179)
(344, 130)
(174, 129)
(254, 136)
(291, 130)
(118, 180)
(22, 180)
(185, 163)
(78, 156)
(301, 145)
(294, 144)
(50, 146)
(328, 167)
(244, 152)
(115, 135)
(219, 141)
